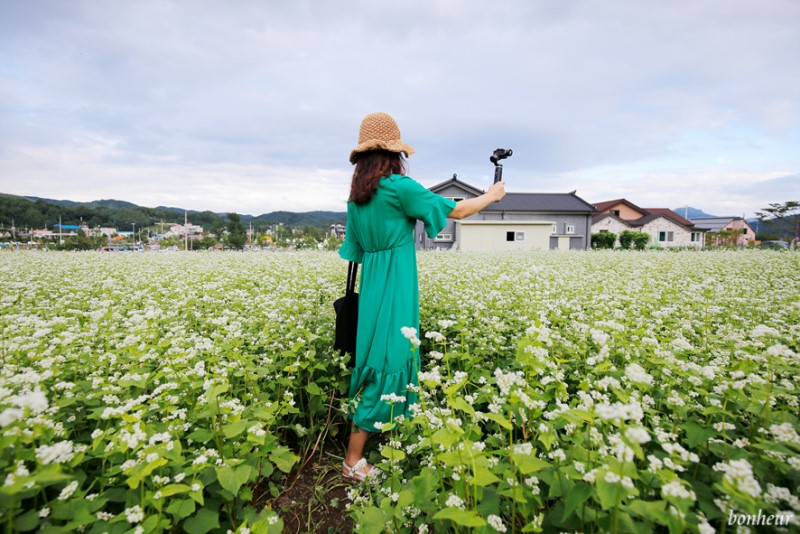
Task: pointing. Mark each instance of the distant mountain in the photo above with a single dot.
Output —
(38, 212)
(692, 212)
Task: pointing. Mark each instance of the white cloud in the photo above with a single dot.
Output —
(167, 92)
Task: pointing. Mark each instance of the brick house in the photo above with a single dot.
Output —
(665, 227)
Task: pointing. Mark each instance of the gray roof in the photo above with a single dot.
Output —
(542, 202)
(714, 224)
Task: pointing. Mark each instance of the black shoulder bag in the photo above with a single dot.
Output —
(346, 309)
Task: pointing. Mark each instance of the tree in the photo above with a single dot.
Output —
(787, 212)
(236, 237)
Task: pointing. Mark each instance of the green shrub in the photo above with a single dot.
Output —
(604, 240)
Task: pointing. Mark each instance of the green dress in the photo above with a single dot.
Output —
(380, 236)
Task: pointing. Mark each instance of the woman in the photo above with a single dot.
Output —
(382, 212)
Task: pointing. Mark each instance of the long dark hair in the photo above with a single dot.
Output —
(371, 166)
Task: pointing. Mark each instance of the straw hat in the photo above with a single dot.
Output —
(379, 130)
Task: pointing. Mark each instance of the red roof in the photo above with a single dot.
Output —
(666, 212)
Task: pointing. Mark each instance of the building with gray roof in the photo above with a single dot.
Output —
(518, 221)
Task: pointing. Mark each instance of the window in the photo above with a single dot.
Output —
(696, 237)
(509, 236)
(666, 236)
(515, 236)
(744, 231)
(444, 237)
(455, 199)
(570, 228)
(555, 229)
(615, 212)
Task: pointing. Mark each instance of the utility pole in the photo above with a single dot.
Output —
(185, 231)
(60, 239)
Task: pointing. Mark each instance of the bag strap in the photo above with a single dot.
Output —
(352, 269)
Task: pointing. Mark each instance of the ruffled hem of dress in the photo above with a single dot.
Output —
(395, 382)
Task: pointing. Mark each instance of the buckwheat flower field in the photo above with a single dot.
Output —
(559, 392)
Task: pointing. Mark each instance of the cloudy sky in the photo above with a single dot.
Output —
(253, 105)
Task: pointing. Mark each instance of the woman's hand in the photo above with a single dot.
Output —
(466, 207)
(497, 190)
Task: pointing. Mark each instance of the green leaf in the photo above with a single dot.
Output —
(314, 389)
(27, 521)
(611, 494)
(697, 435)
(201, 435)
(445, 437)
(577, 496)
(483, 477)
(173, 489)
(232, 479)
(234, 429)
(392, 453)
(141, 472)
(202, 522)
(372, 520)
(499, 419)
(655, 511)
(466, 518)
(529, 464)
(424, 487)
(283, 458)
(181, 508)
(460, 403)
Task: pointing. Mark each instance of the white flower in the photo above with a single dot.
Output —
(134, 514)
(496, 522)
(44, 512)
(455, 501)
(785, 433)
(57, 453)
(739, 473)
(637, 434)
(392, 398)
(68, 490)
(637, 374)
(676, 489)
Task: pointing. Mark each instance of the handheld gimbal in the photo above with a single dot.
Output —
(497, 155)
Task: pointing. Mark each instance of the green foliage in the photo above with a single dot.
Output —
(640, 240)
(44, 213)
(167, 391)
(786, 215)
(603, 240)
(235, 237)
(629, 239)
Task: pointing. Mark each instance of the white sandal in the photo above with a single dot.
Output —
(355, 473)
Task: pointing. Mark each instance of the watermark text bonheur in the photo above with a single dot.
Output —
(781, 519)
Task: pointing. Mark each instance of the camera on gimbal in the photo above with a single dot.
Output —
(500, 153)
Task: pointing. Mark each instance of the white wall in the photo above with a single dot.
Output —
(491, 235)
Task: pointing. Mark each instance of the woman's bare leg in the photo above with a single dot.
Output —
(355, 449)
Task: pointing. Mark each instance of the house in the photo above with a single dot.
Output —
(520, 221)
(727, 230)
(193, 231)
(665, 227)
